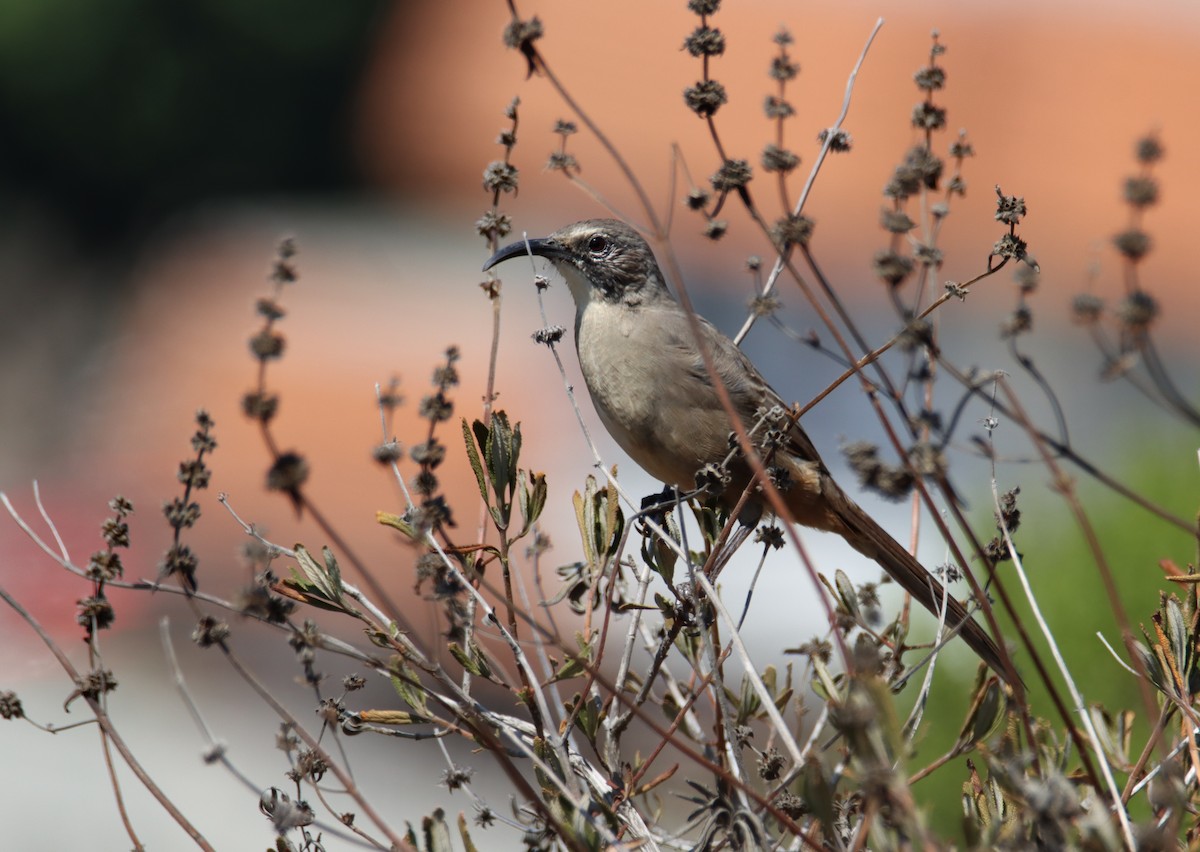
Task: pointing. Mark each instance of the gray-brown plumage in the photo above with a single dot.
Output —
(650, 388)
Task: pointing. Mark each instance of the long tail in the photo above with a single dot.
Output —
(871, 540)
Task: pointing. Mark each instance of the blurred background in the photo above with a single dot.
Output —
(152, 155)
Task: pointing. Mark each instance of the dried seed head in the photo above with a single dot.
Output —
(209, 631)
(260, 406)
(1137, 310)
(288, 473)
(926, 116)
(776, 107)
(520, 35)
(896, 221)
(500, 176)
(930, 78)
(388, 452)
(1133, 244)
(1010, 209)
(792, 230)
(1087, 308)
(115, 532)
(494, 225)
(10, 705)
(776, 159)
(104, 565)
(549, 335)
(560, 161)
(179, 561)
(892, 267)
(783, 68)
(1149, 150)
(705, 98)
(840, 141)
(696, 198)
(733, 174)
(705, 41)
(1141, 191)
(267, 345)
(1010, 246)
(960, 148)
(95, 612)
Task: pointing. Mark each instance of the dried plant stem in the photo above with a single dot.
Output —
(116, 787)
(1081, 709)
(107, 726)
(764, 695)
(777, 269)
(1152, 741)
(344, 778)
(535, 693)
(1066, 488)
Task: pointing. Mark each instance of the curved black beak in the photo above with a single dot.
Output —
(542, 247)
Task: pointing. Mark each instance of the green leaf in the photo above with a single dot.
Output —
(437, 833)
(325, 582)
(472, 660)
(658, 555)
(846, 593)
(408, 687)
(1115, 732)
(473, 456)
(1149, 663)
(1177, 632)
(583, 512)
(334, 571)
(499, 456)
(481, 436)
(468, 844)
(397, 522)
(570, 668)
(311, 594)
(748, 702)
(601, 521)
(768, 677)
(614, 519)
(575, 666)
(818, 793)
(629, 606)
(532, 499)
(501, 446)
(987, 711)
(782, 698)
(824, 684)
(590, 716)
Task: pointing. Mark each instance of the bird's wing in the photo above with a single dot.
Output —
(749, 391)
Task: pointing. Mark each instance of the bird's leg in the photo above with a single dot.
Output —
(656, 505)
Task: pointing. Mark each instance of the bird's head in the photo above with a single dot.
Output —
(601, 259)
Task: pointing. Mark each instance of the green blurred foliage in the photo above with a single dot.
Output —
(1157, 461)
(115, 114)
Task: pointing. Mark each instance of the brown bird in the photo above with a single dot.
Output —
(652, 391)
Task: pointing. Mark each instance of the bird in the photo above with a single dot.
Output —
(654, 394)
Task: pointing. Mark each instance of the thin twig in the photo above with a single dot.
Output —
(830, 135)
(347, 782)
(106, 724)
(1076, 697)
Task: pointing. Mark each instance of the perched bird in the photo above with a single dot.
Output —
(650, 387)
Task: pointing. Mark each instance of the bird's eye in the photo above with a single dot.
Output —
(597, 244)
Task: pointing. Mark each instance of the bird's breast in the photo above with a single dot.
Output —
(637, 392)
